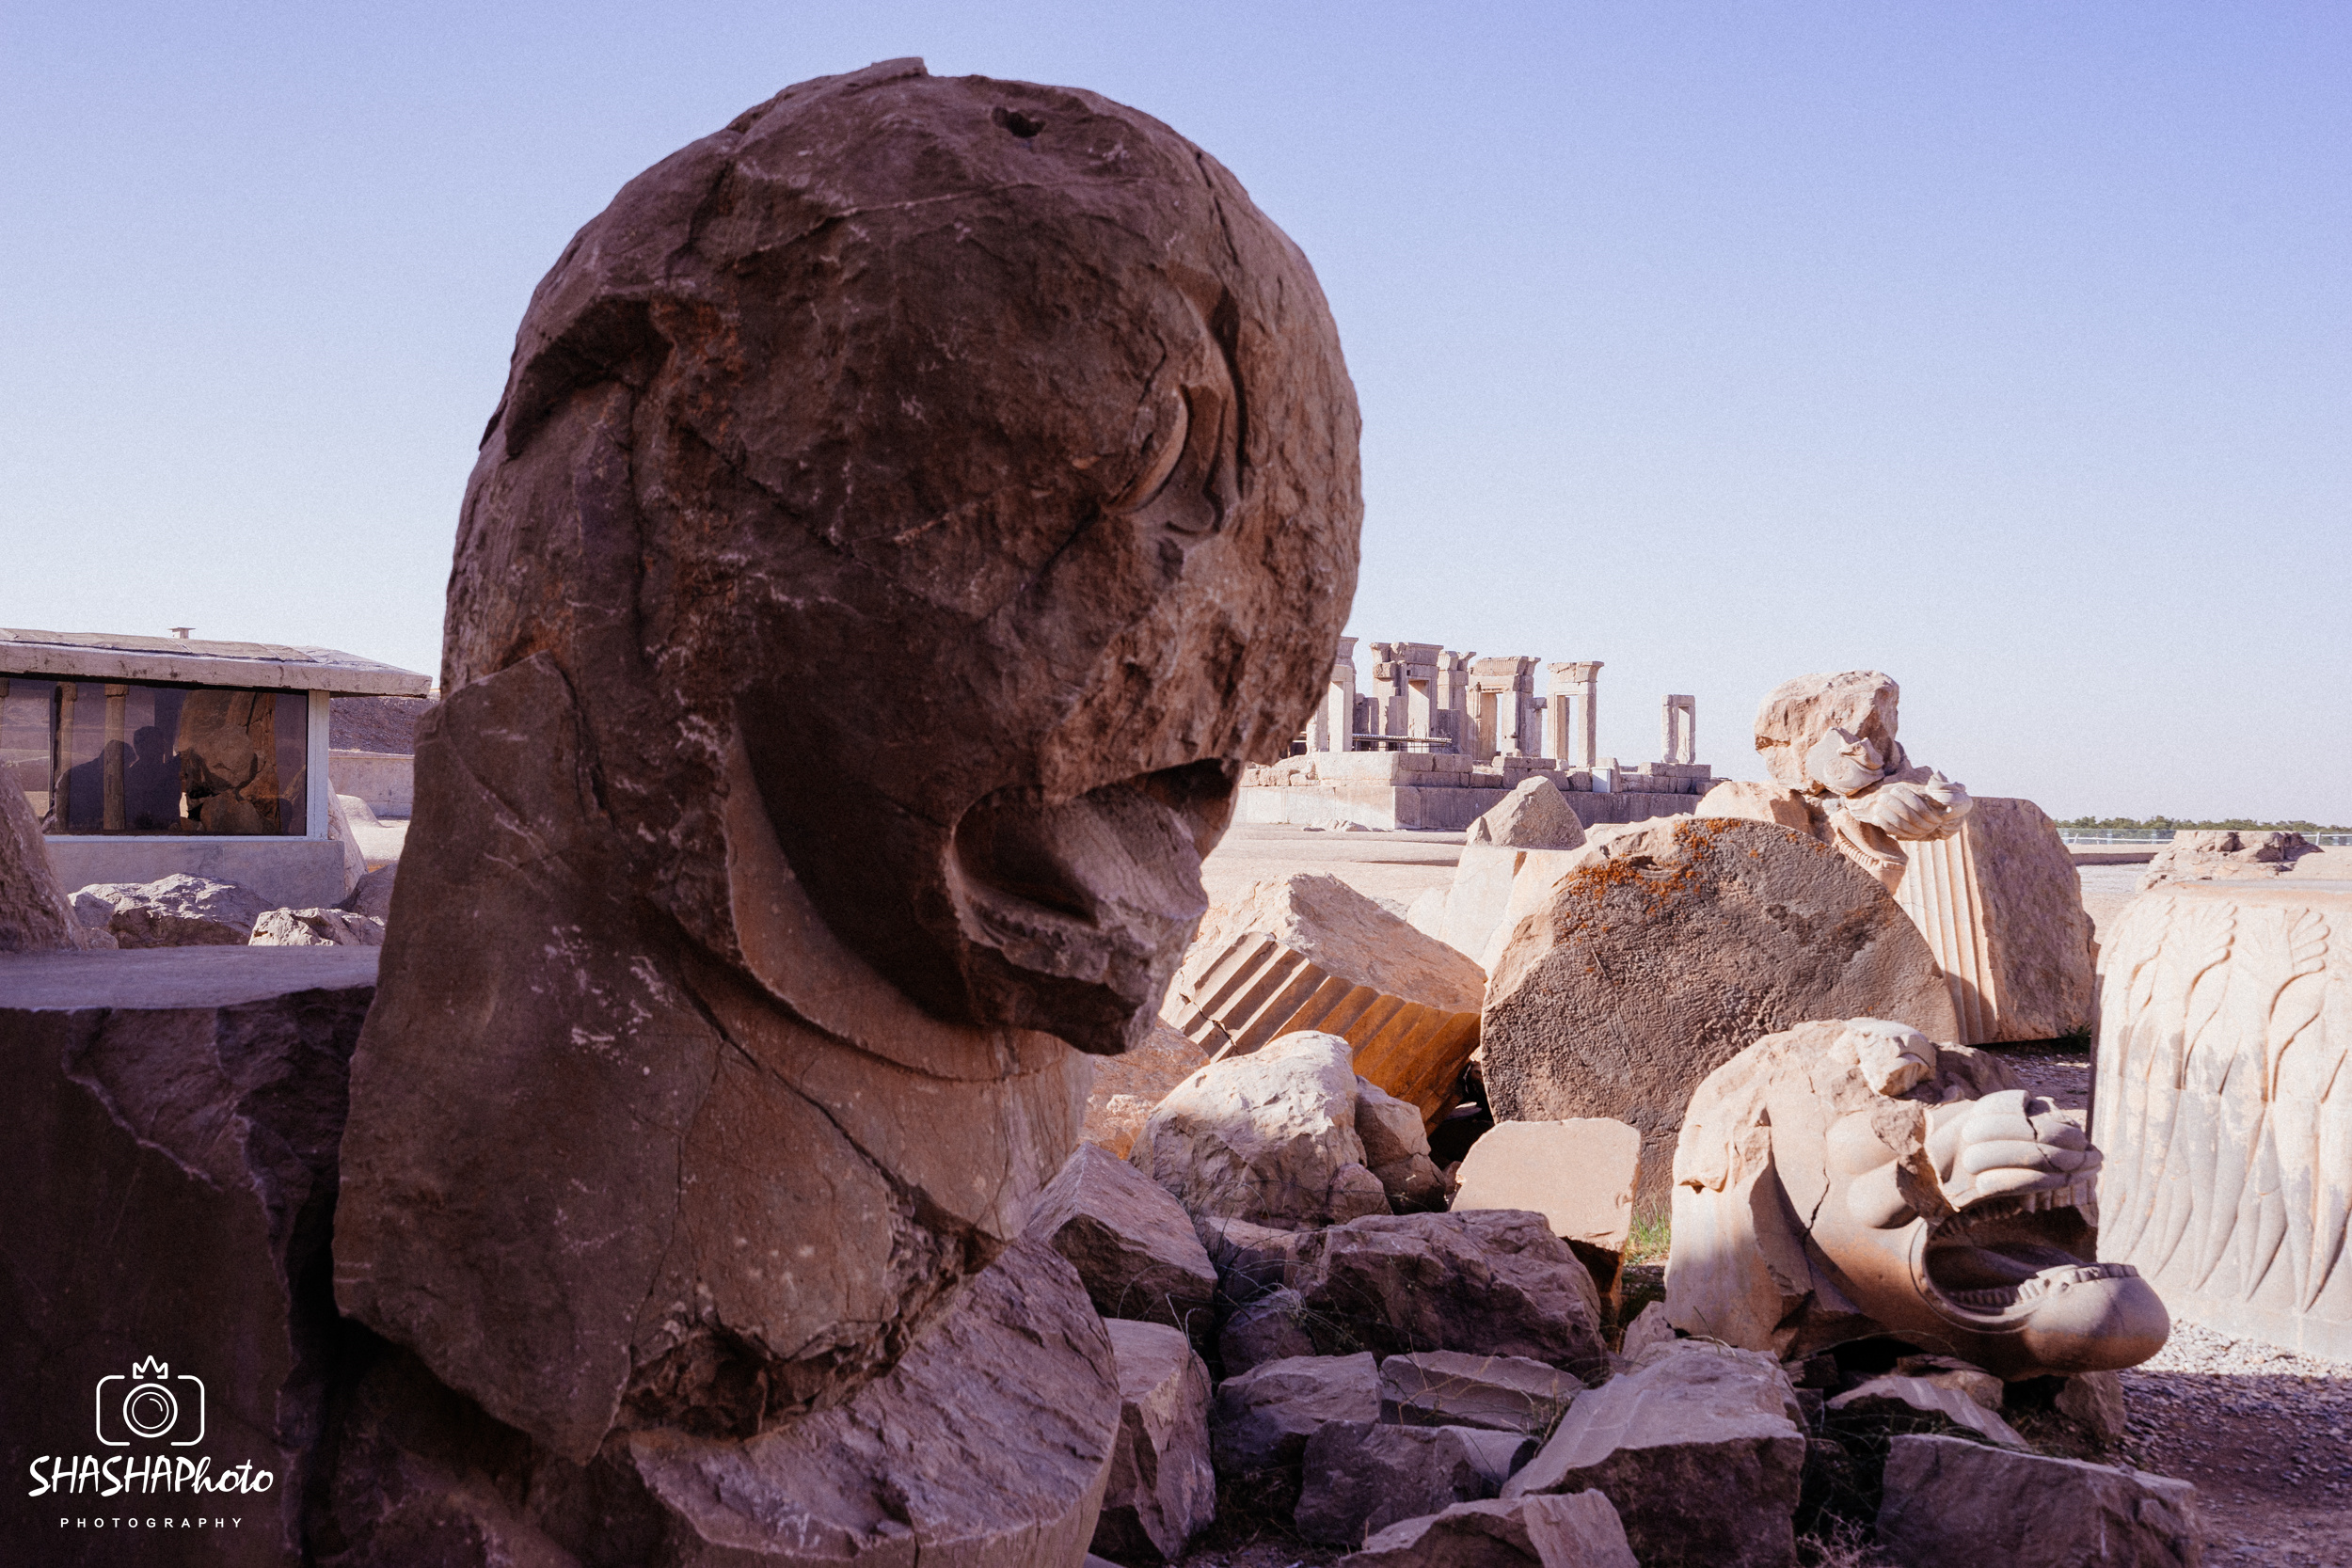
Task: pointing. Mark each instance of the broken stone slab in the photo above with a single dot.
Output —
(1579, 1529)
(1397, 1147)
(2095, 1400)
(1269, 1138)
(35, 914)
(1271, 1328)
(1668, 950)
(2222, 1105)
(316, 928)
(1128, 1086)
(1943, 1206)
(178, 911)
(1357, 1477)
(1755, 801)
(1501, 1393)
(2000, 905)
(1261, 1421)
(1307, 952)
(1953, 1503)
(1493, 1281)
(1901, 1397)
(1131, 1243)
(1528, 836)
(1579, 1173)
(1250, 1259)
(1016, 1473)
(1162, 1489)
(776, 1068)
(1701, 1448)
(1975, 1382)
(184, 1106)
(372, 895)
(1649, 1327)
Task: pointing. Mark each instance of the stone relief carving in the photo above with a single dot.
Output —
(1849, 1179)
(2224, 1095)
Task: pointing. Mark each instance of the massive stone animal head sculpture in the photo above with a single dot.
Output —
(909, 508)
(1849, 1179)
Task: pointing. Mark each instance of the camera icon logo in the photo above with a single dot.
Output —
(151, 1408)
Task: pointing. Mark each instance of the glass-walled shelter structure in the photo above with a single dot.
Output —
(146, 755)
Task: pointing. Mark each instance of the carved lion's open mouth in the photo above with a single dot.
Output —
(1998, 1262)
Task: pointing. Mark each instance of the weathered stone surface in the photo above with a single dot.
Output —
(1953, 1503)
(2225, 855)
(35, 914)
(1581, 1175)
(1250, 1259)
(373, 893)
(1494, 1282)
(1534, 815)
(1947, 1208)
(1671, 948)
(1502, 1393)
(1397, 1147)
(1273, 1327)
(2225, 1107)
(2001, 907)
(1651, 1326)
(1907, 1395)
(1162, 1489)
(2096, 1400)
(1260, 1421)
(1357, 1477)
(178, 911)
(1700, 1450)
(1127, 1087)
(1131, 1243)
(1775, 803)
(726, 961)
(1975, 1382)
(1307, 952)
(316, 928)
(167, 1143)
(1577, 1530)
(989, 1443)
(1269, 1137)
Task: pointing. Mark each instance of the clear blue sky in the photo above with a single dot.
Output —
(2003, 347)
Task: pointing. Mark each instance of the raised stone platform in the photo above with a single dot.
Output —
(1429, 808)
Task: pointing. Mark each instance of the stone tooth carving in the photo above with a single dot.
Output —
(2225, 1102)
(1832, 738)
(910, 507)
(1849, 1179)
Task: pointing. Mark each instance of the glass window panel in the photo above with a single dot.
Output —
(27, 726)
(134, 758)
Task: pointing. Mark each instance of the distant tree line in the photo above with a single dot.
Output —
(2241, 823)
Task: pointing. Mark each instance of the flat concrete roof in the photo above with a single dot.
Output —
(94, 655)
(153, 977)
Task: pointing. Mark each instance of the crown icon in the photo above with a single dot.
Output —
(151, 1367)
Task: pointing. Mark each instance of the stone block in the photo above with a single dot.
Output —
(1752, 801)
(1906, 1397)
(1269, 1138)
(990, 1441)
(1131, 1243)
(1359, 1478)
(1501, 1393)
(178, 911)
(1272, 1327)
(316, 928)
(2096, 1400)
(1261, 1421)
(35, 917)
(1162, 1489)
(1671, 947)
(1495, 1282)
(1953, 1503)
(2000, 905)
(1250, 1259)
(168, 1145)
(1700, 1448)
(1127, 1087)
(1579, 1173)
(1307, 952)
(2225, 1109)
(1548, 1531)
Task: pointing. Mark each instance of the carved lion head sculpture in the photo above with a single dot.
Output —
(1849, 1179)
